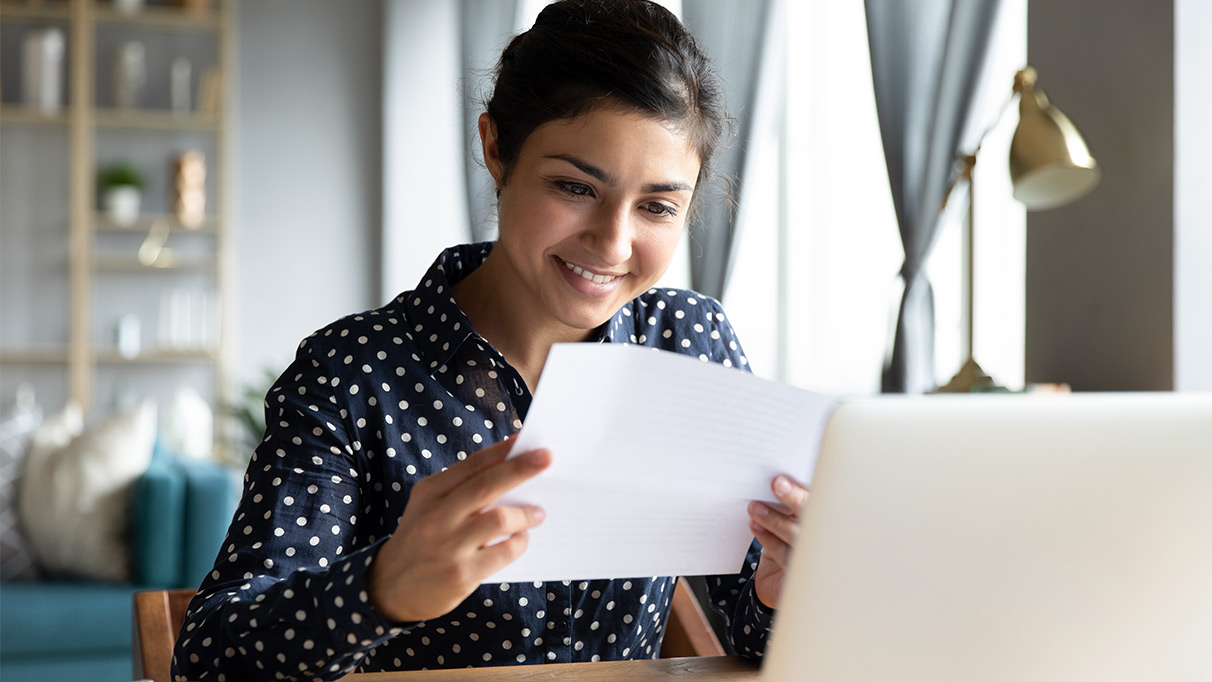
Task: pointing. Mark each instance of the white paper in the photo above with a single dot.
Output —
(655, 457)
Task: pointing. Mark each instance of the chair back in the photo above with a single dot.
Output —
(158, 617)
(688, 632)
(160, 614)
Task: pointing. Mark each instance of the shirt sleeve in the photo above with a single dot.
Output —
(287, 598)
(746, 620)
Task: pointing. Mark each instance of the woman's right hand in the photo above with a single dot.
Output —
(441, 551)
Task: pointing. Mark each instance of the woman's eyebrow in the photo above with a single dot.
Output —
(602, 176)
(662, 187)
(586, 168)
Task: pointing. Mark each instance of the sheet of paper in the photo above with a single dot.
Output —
(655, 457)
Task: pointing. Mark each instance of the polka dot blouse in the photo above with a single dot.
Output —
(372, 404)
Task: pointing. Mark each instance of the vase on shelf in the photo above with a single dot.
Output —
(129, 74)
(179, 86)
(128, 6)
(42, 72)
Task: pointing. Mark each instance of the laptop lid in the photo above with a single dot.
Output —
(962, 538)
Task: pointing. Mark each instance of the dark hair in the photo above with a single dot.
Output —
(582, 54)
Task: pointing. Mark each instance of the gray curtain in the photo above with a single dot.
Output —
(734, 34)
(486, 25)
(926, 56)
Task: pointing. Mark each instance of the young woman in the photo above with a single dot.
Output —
(362, 537)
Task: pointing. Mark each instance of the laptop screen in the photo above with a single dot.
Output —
(998, 537)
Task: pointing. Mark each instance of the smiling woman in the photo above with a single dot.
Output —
(590, 217)
(366, 529)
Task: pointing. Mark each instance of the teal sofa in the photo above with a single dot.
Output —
(68, 630)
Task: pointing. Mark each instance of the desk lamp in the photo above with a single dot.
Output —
(1050, 166)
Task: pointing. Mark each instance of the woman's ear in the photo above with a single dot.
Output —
(492, 154)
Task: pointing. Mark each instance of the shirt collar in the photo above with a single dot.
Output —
(615, 330)
(438, 326)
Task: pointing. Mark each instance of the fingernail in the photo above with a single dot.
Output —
(782, 486)
(759, 509)
(537, 515)
(536, 457)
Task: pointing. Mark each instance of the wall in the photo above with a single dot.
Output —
(1192, 215)
(426, 209)
(1100, 272)
(307, 180)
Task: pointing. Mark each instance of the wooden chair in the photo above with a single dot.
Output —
(688, 632)
(158, 617)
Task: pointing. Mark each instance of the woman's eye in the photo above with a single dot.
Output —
(659, 209)
(575, 188)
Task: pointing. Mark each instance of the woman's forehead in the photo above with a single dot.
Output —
(615, 141)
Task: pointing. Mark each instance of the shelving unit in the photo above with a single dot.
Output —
(26, 116)
(101, 268)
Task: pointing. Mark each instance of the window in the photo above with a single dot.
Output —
(814, 288)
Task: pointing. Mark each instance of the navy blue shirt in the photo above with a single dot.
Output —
(372, 404)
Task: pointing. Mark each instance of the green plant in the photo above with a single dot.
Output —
(247, 410)
(120, 174)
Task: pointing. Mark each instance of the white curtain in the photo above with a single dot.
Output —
(926, 57)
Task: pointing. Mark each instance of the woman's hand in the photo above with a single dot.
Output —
(444, 544)
(776, 527)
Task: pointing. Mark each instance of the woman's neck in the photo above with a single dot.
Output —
(499, 309)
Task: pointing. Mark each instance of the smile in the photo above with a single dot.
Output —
(592, 277)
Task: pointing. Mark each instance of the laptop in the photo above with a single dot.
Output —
(999, 537)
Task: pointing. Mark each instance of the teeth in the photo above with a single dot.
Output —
(585, 274)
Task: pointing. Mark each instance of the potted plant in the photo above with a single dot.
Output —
(121, 187)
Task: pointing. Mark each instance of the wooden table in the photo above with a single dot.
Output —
(711, 669)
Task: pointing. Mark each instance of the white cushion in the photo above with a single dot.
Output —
(75, 496)
(17, 428)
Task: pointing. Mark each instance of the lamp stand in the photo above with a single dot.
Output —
(970, 378)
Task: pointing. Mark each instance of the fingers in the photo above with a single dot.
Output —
(774, 521)
(502, 522)
(773, 547)
(441, 483)
(790, 493)
(495, 557)
(777, 526)
(484, 487)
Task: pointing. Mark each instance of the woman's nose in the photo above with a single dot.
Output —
(611, 235)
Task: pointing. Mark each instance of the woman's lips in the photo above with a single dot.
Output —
(590, 275)
(587, 281)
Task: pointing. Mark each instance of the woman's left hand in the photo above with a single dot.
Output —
(776, 527)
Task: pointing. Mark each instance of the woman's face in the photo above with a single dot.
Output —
(591, 212)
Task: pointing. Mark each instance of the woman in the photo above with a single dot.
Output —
(361, 539)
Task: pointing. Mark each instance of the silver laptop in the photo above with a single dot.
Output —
(989, 538)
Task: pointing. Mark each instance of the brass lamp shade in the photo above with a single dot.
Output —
(1050, 164)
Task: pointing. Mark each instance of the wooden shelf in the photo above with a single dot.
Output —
(50, 12)
(209, 227)
(121, 263)
(154, 119)
(22, 115)
(157, 356)
(159, 17)
(98, 260)
(35, 355)
(169, 18)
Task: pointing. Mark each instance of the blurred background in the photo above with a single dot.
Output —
(188, 189)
